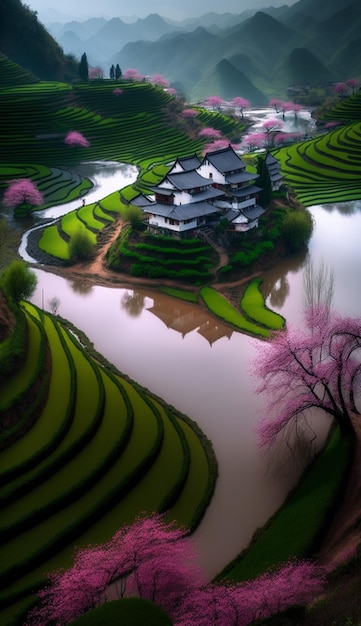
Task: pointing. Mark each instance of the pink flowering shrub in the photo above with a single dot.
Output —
(22, 192)
(156, 560)
(210, 133)
(76, 139)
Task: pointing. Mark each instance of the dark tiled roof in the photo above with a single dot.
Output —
(253, 212)
(141, 200)
(183, 212)
(244, 191)
(240, 177)
(189, 163)
(225, 160)
(270, 159)
(250, 214)
(188, 180)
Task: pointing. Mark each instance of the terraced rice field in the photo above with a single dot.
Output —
(327, 168)
(101, 450)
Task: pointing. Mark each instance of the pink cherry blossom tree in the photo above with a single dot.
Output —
(22, 192)
(189, 113)
(241, 104)
(96, 72)
(76, 140)
(150, 557)
(156, 560)
(340, 89)
(133, 74)
(316, 368)
(296, 582)
(117, 91)
(215, 102)
(210, 133)
(218, 144)
(276, 104)
(158, 79)
(255, 141)
(353, 83)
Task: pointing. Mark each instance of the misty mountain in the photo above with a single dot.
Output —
(26, 42)
(257, 54)
(309, 42)
(112, 35)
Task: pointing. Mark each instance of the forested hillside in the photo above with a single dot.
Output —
(26, 41)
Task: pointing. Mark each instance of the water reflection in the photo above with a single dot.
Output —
(276, 281)
(133, 302)
(160, 342)
(185, 317)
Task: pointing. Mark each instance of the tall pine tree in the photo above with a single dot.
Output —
(83, 68)
(264, 181)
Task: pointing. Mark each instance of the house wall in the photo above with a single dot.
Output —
(209, 171)
(162, 222)
(244, 227)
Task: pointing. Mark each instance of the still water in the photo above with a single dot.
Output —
(200, 366)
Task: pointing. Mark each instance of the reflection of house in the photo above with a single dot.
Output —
(196, 193)
(185, 317)
(274, 171)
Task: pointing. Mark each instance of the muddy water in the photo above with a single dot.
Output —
(202, 367)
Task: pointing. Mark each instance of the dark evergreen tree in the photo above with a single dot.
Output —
(112, 72)
(118, 72)
(264, 182)
(83, 68)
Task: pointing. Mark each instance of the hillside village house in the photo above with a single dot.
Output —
(196, 194)
(274, 171)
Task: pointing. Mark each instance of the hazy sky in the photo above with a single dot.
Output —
(176, 9)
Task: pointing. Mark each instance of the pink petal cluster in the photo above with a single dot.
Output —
(189, 113)
(74, 138)
(317, 367)
(22, 191)
(156, 560)
(210, 133)
(133, 74)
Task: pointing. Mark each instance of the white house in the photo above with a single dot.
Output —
(240, 200)
(198, 193)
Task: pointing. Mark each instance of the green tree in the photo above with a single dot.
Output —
(135, 217)
(118, 72)
(81, 246)
(83, 68)
(264, 182)
(112, 72)
(297, 229)
(18, 281)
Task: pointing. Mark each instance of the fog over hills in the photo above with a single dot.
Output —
(256, 54)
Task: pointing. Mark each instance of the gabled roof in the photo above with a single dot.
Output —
(241, 216)
(270, 159)
(188, 163)
(240, 177)
(188, 180)
(225, 160)
(182, 212)
(141, 200)
(242, 192)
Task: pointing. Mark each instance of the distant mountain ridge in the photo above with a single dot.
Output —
(262, 51)
(255, 54)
